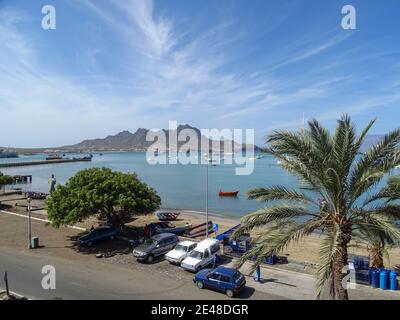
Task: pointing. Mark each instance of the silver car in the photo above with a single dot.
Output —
(155, 246)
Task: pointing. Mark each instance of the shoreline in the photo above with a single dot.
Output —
(307, 250)
(198, 214)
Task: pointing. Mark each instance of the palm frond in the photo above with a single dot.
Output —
(276, 239)
(322, 141)
(277, 193)
(380, 222)
(371, 168)
(343, 147)
(388, 193)
(275, 214)
(328, 251)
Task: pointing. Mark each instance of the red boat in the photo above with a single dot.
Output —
(199, 231)
(228, 194)
(167, 216)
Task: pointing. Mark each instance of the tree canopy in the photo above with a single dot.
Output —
(111, 195)
(345, 181)
(4, 180)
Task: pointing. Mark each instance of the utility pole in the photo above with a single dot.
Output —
(6, 282)
(207, 198)
(29, 224)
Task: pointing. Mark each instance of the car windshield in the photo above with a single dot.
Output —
(237, 276)
(196, 254)
(180, 247)
(150, 241)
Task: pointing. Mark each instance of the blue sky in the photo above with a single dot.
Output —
(115, 65)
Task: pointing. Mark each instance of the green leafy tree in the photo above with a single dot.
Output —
(114, 196)
(5, 180)
(343, 178)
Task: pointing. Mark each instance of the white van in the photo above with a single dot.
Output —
(203, 255)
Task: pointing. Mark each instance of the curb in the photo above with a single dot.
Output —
(21, 297)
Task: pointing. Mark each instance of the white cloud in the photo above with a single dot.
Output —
(169, 73)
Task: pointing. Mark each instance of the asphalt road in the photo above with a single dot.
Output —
(89, 280)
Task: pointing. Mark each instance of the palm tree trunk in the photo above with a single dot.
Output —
(340, 261)
(376, 256)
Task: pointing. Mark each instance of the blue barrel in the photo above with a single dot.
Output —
(383, 280)
(375, 279)
(369, 276)
(356, 262)
(393, 281)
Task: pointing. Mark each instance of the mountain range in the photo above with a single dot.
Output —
(127, 141)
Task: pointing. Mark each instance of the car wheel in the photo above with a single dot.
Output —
(90, 244)
(200, 284)
(229, 293)
(150, 259)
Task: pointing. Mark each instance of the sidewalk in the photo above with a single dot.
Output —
(300, 286)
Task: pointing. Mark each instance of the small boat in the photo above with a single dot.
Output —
(226, 235)
(199, 231)
(53, 157)
(228, 194)
(87, 158)
(166, 227)
(167, 216)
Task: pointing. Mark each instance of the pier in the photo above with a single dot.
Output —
(23, 179)
(42, 162)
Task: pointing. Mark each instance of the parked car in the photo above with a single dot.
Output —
(222, 279)
(98, 235)
(203, 255)
(155, 246)
(180, 252)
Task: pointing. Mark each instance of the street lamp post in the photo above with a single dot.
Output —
(29, 224)
(207, 199)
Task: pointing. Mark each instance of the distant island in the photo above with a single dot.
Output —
(127, 141)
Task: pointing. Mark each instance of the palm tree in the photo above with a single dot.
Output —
(333, 167)
(377, 244)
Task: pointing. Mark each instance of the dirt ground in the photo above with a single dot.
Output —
(306, 251)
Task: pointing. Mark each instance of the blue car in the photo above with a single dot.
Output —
(227, 280)
(98, 235)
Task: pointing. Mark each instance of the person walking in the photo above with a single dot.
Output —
(214, 261)
(257, 274)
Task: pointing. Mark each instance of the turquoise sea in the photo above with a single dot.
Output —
(180, 186)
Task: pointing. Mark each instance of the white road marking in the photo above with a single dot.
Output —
(38, 219)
